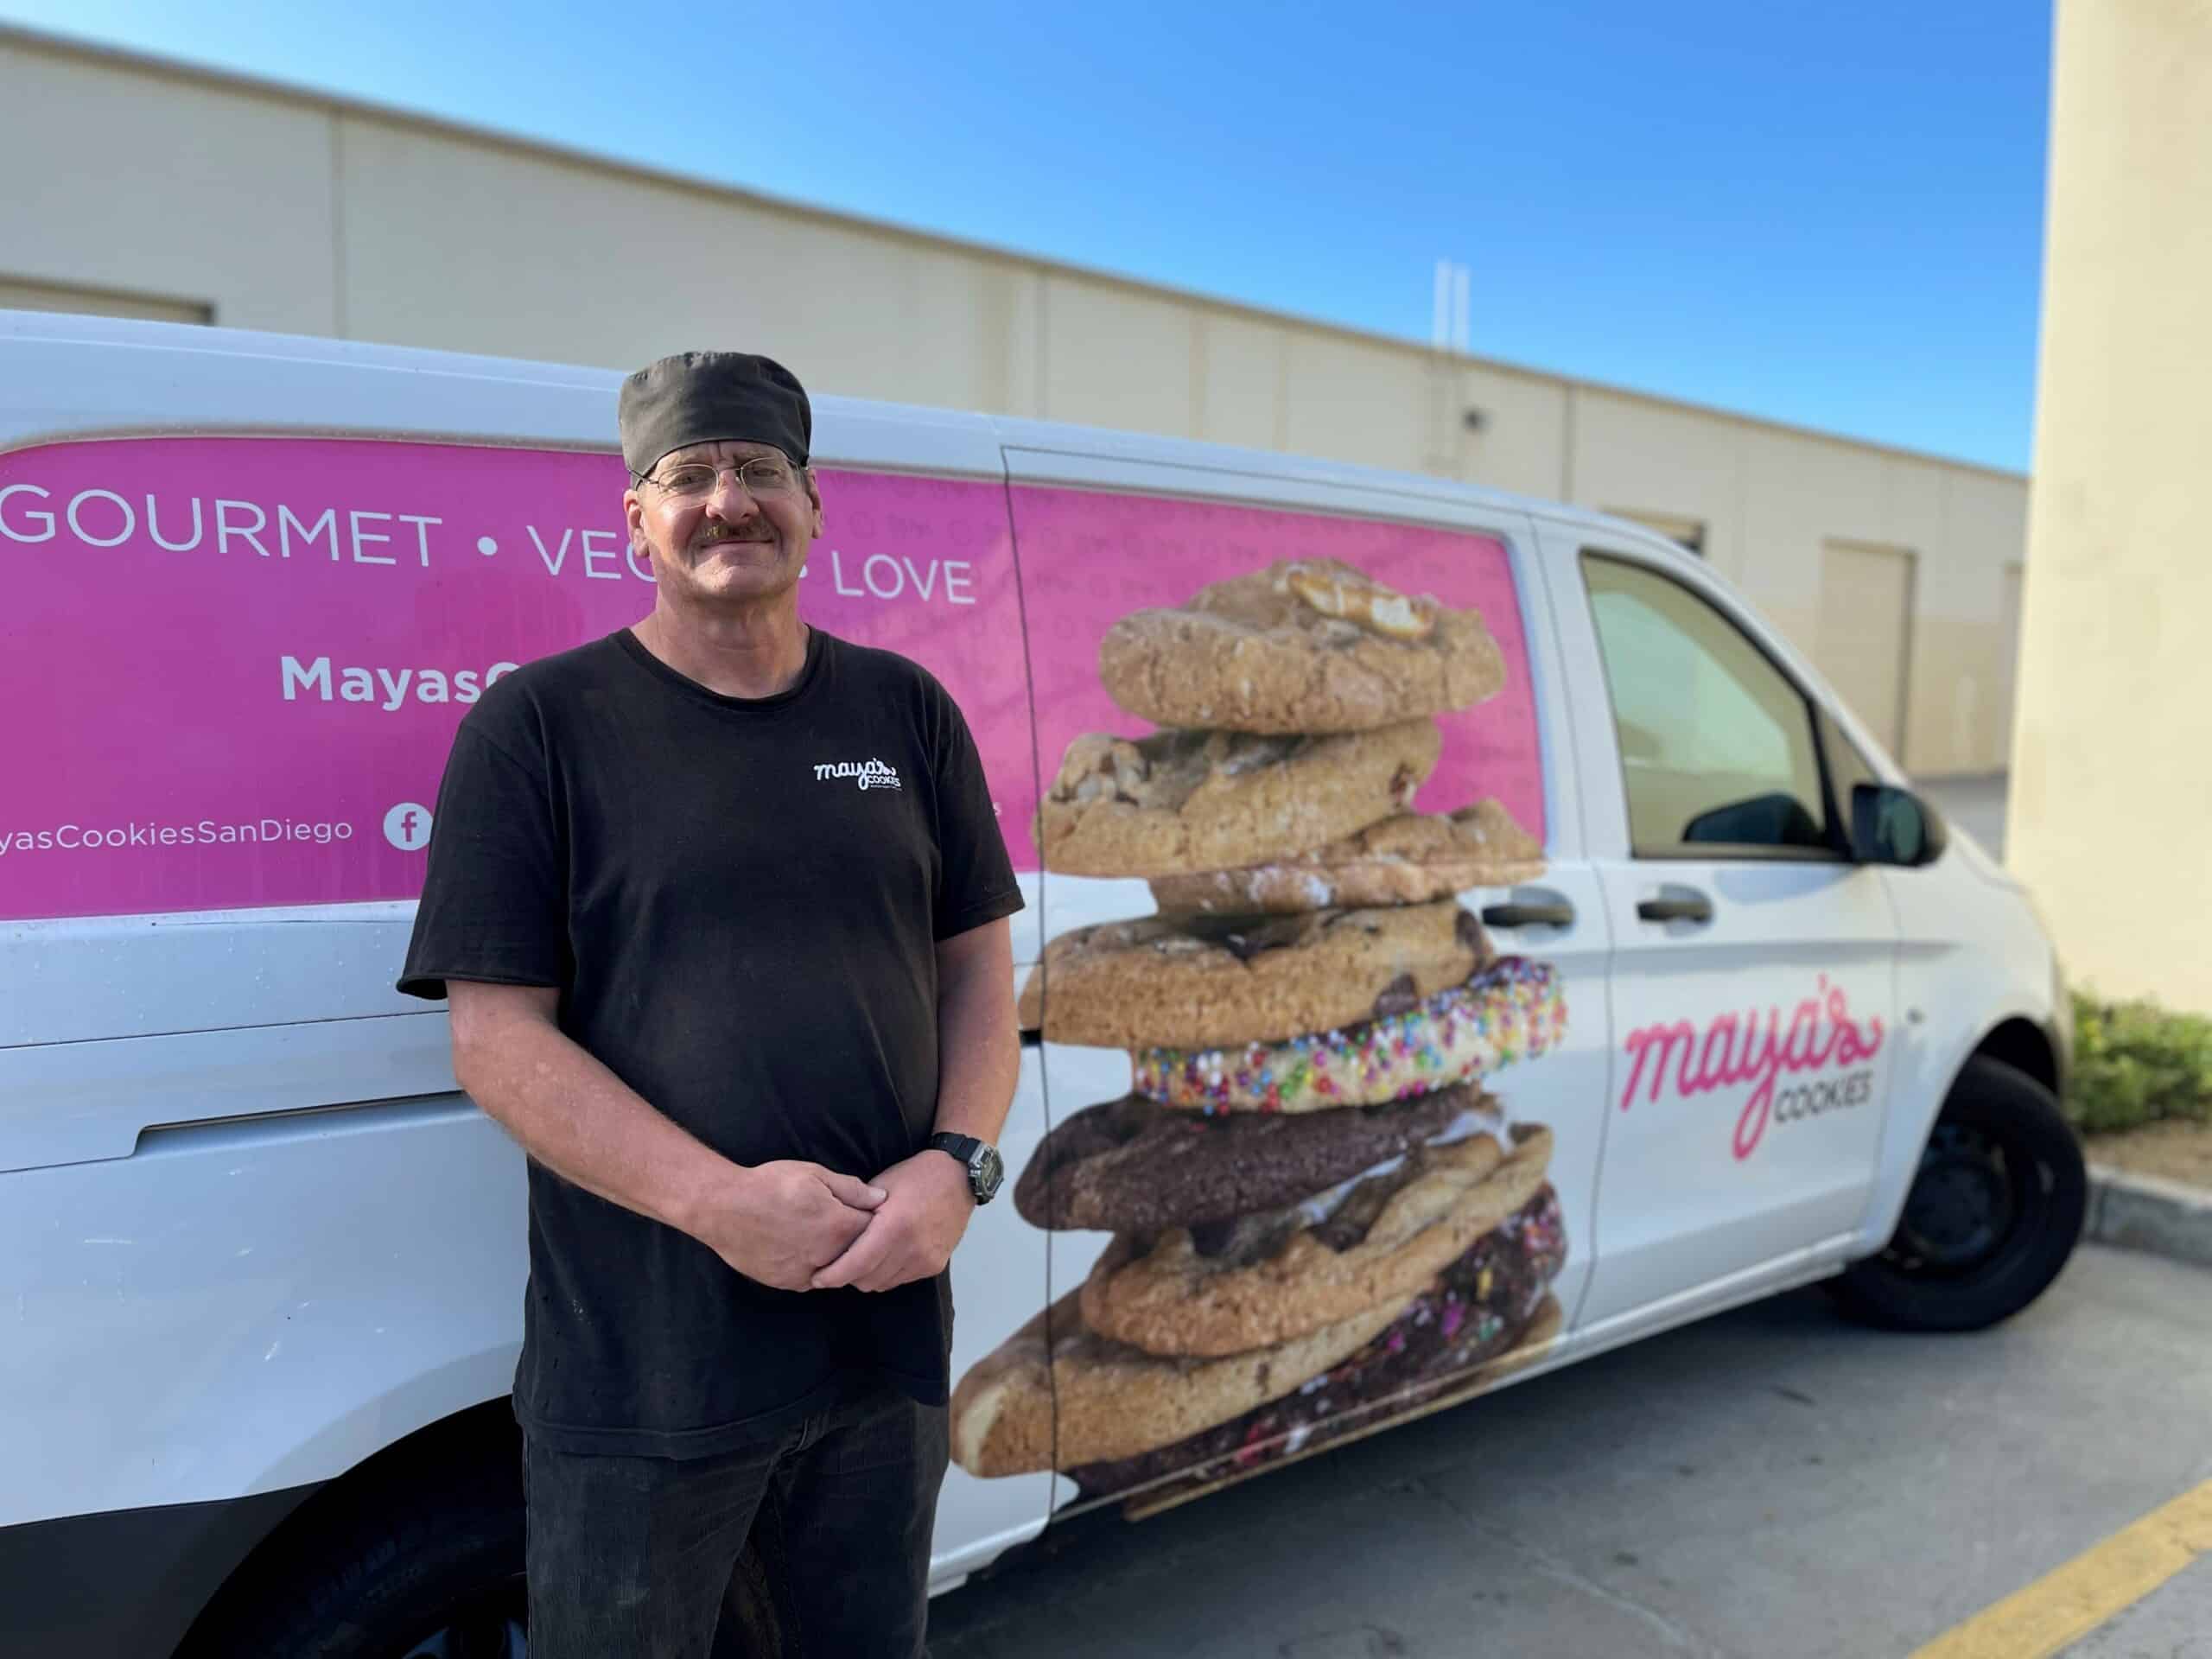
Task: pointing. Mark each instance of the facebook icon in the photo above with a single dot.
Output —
(407, 826)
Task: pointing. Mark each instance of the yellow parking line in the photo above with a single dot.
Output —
(2069, 1602)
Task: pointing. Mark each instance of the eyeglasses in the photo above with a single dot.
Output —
(760, 474)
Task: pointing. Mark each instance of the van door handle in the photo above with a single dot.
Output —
(1558, 915)
(1688, 907)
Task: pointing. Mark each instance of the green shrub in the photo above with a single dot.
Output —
(2135, 1063)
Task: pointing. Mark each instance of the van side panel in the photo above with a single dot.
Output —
(248, 1305)
(255, 1234)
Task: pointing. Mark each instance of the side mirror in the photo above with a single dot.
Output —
(1894, 826)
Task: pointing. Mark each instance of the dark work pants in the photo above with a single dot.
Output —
(815, 1543)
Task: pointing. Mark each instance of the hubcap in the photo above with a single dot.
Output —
(1963, 1205)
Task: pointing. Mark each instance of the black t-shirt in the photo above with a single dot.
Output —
(740, 901)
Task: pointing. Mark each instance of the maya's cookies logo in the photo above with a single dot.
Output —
(1320, 1214)
(868, 774)
(1733, 1052)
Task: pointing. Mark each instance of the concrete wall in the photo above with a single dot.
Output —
(2112, 778)
(269, 209)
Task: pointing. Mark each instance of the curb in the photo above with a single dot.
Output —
(2141, 1212)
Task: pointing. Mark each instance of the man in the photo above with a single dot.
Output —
(755, 1031)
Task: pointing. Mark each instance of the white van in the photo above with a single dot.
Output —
(1725, 1007)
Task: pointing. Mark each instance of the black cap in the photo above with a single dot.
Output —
(711, 397)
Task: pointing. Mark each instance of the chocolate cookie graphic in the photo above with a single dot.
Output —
(1132, 1165)
(1270, 1277)
(1489, 1312)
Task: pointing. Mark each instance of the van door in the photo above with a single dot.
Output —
(1753, 974)
(1236, 1109)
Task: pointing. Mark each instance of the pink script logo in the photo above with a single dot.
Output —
(1735, 1051)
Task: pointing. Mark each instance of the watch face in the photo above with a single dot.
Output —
(986, 1173)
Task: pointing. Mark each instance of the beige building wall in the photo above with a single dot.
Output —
(263, 207)
(167, 188)
(2113, 780)
(1864, 632)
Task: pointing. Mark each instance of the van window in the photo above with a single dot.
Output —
(1717, 748)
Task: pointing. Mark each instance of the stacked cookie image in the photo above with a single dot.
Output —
(1320, 1215)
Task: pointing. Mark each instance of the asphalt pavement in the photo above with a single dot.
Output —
(1773, 1484)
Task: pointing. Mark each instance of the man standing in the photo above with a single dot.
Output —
(753, 1026)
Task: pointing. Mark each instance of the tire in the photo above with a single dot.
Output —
(1995, 1209)
(424, 1563)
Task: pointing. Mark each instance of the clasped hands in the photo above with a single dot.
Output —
(798, 1226)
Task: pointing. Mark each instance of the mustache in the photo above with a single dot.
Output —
(741, 536)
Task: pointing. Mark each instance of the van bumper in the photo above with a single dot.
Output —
(128, 1581)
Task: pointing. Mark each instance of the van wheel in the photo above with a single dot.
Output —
(429, 1570)
(1995, 1210)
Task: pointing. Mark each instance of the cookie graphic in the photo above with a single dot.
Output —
(1529, 1346)
(1299, 647)
(1444, 1341)
(1195, 800)
(1112, 1400)
(1209, 984)
(1132, 1165)
(1268, 1278)
(1275, 1445)
(1320, 1221)
(1406, 860)
(1511, 1010)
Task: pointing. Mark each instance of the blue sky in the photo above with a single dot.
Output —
(1826, 214)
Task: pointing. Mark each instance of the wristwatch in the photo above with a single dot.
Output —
(979, 1158)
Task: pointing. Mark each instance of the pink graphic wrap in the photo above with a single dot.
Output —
(156, 588)
(1089, 559)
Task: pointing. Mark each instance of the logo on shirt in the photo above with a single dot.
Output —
(868, 774)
